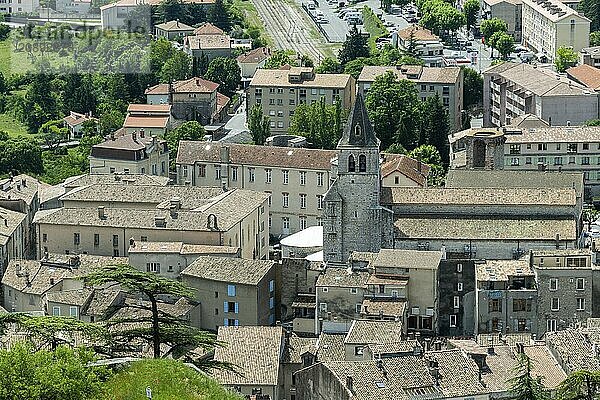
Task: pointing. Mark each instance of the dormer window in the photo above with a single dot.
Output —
(351, 164)
(357, 131)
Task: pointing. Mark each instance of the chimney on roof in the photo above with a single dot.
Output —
(224, 154)
(175, 202)
(134, 136)
(350, 383)
(24, 182)
(434, 370)
(52, 281)
(74, 261)
(101, 213)
(520, 348)
(173, 211)
(568, 123)
(5, 222)
(154, 140)
(142, 133)
(557, 240)
(490, 350)
(132, 242)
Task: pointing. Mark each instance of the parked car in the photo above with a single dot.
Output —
(411, 20)
(323, 20)
(526, 56)
(311, 5)
(520, 49)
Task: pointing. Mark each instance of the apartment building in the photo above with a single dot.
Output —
(446, 82)
(590, 56)
(279, 91)
(564, 286)
(233, 291)
(508, 11)
(550, 24)
(511, 90)
(506, 297)
(135, 152)
(110, 220)
(19, 6)
(428, 46)
(561, 148)
(456, 288)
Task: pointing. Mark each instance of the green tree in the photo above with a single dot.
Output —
(110, 121)
(159, 327)
(225, 72)
(20, 155)
(490, 26)
(435, 126)
(565, 58)
(594, 39)
(4, 32)
(43, 374)
(503, 42)
(52, 134)
(580, 385)
(472, 88)
(319, 122)
(524, 386)
(471, 9)
(591, 9)
(171, 10)
(395, 148)
(259, 124)
(355, 46)
(190, 130)
(219, 15)
(429, 155)
(176, 68)
(281, 57)
(394, 109)
(329, 65)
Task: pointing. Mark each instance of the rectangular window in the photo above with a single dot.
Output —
(143, 238)
(251, 174)
(580, 304)
(271, 303)
(515, 149)
(514, 161)
(115, 240)
(234, 173)
(286, 176)
(303, 178)
(453, 321)
(268, 175)
(557, 160)
(96, 239)
(456, 301)
(585, 160)
(285, 197)
(580, 284)
(494, 305)
(56, 311)
(521, 305)
(553, 284)
(271, 286)
(586, 146)
(320, 201)
(184, 171)
(153, 267)
(44, 237)
(302, 200)
(459, 287)
(358, 308)
(542, 146)
(217, 172)
(320, 178)
(323, 307)
(551, 325)
(527, 160)
(115, 252)
(285, 222)
(231, 290)
(202, 170)
(459, 267)
(555, 304)
(73, 311)
(572, 148)
(319, 221)
(76, 239)
(302, 222)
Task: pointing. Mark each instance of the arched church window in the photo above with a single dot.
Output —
(357, 131)
(362, 163)
(351, 163)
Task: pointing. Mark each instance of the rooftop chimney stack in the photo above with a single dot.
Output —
(350, 383)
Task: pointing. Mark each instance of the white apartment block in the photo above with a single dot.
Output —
(19, 6)
(511, 90)
(509, 11)
(550, 24)
(446, 82)
(280, 91)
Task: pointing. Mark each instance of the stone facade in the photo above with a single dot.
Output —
(354, 196)
(456, 279)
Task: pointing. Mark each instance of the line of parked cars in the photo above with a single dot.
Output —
(352, 16)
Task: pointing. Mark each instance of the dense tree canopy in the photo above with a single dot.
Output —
(259, 124)
(355, 46)
(472, 88)
(319, 122)
(225, 72)
(565, 58)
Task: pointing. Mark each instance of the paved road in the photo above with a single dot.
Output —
(290, 27)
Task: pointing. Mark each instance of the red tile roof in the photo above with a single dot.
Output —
(194, 85)
(208, 29)
(586, 74)
(409, 167)
(255, 56)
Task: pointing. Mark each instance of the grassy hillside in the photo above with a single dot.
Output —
(168, 380)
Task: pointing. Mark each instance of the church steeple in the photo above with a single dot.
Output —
(358, 131)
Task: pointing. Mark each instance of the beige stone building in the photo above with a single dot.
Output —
(135, 152)
(296, 178)
(107, 227)
(26, 283)
(508, 11)
(429, 47)
(233, 291)
(252, 60)
(207, 42)
(446, 82)
(172, 30)
(550, 24)
(280, 91)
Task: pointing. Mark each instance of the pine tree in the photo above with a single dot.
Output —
(524, 386)
(355, 46)
(219, 15)
(435, 126)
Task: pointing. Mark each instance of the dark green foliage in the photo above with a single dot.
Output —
(435, 126)
(320, 123)
(580, 385)
(429, 155)
(355, 46)
(50, 375)
(4, 32)
(490, 26)
(565, 58)
(52, 134)
(472, 88)
(329, 65)
(171, 10)
(592, 122)
(176, 68)
(20, 155)
(225, 72)
(155, 326)
(259, 124)
(281, 57)
(394, 109)
(503, 42)
(591, 10)
(594, 39)
(219, 15)
(471, 9)
(440, 16)
(524, 386)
